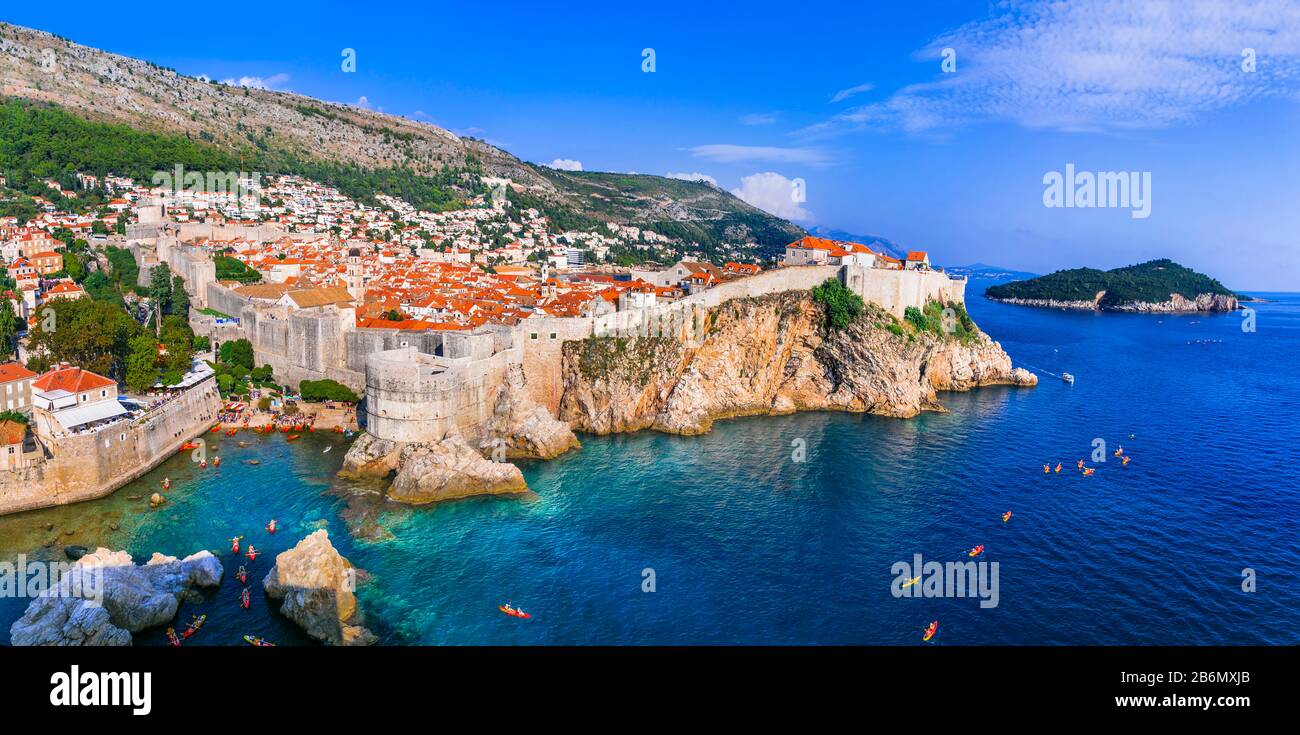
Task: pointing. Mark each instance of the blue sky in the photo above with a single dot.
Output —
(852, 100)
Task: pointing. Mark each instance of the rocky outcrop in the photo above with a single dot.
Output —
(451, 469)
(134, 598)
(462, 465)
(316, 586)
(1176, 304)
(772, 355)
(524, 428)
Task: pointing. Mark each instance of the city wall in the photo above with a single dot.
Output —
(93, 465)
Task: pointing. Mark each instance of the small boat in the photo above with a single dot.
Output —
(172, 640)
(189, 445)
(1058, 468)
(976, 551)
(1118, 452)
(241, 576)
(253, 640)
(216, 461)
(1087, 471)
(1125, 459)
(244, 599)
(203, 465)
(293, 437)
(909, 582)
(234, 544)
(215, 428)
(1006, 516)
(252, 553)
(167, 483)
(327, 450)
(1067, 378)
(1047, 469)
(270, 527)
(513, 612)
(194, 626)
(931, 630)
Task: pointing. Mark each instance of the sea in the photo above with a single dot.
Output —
(800, 529)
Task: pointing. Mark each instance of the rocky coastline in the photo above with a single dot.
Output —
(1176, 304)
(773, 355)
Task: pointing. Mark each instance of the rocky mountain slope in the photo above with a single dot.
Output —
(258, 124)
(772, 355)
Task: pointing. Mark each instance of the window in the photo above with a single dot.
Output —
(532, 335)
(552, 335)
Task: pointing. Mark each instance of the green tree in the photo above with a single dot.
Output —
(326, 390)
(180, 298)
(142, 363)
(91, 334)
(177, 337)
(842, 305)
(160, 287)
(8, 327)
(237, 352)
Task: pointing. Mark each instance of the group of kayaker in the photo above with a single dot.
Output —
(1084, 469)
(245, 598)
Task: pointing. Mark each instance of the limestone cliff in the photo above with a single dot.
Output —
(772, 354)
(1176, 304)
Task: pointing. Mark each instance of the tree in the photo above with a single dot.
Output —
(180, 298)
(74, 266)
(91, 334)
(160, 287)
(8, 327)
(326, 390)
(178, 339)
(237, 352)
(842, 305)
(142, 363)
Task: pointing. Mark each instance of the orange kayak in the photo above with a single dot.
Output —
(513, 612)
(930, 631)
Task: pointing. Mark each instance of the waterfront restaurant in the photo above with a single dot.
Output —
(69, 400)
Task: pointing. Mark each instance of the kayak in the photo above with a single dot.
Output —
(234, 544)
(1006, 516)
(244, 599)
(255, 641)
(930, 631)
(977, 550)
(513, 612)
(911, 582)
(189, 445)
(293, 437)
(242, 576)
(194, 626)
(172, 640)
(252, 554)
(270, 527)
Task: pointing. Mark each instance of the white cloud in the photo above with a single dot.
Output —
(772, 193)
(1096, 65)
(696, 176)
(275, 81)
(364, 103)
(759, 118)
(844, 94)
(566, 164)
(727, 153)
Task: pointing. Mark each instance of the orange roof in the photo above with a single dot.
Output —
(14, 371)
(11, 432)
(916, 255)
(71, 379)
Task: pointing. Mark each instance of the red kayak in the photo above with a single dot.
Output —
(930, 631)
(252, 553)
(242, 575)
(513, 612)
(172, 640)
(977, 550)
(270, 527)
(244, 598)
(234, 544)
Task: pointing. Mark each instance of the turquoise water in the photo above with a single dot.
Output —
(749, 546)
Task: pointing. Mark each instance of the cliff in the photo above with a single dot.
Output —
(1175, 304)
(773, 355)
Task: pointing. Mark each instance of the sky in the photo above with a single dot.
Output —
(935, 124)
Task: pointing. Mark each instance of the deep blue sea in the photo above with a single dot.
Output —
(748, 546)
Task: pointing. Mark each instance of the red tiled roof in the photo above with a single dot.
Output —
(71, 379)
(14, 371)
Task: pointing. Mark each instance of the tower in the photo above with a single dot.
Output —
(353, 278)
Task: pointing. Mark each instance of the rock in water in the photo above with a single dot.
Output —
(451, 469)
(371, 457)
(316, 585)
(134, 598)
(156, 500)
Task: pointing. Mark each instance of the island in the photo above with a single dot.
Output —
(1155, 286)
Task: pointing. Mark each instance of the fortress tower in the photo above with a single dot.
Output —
(353, 278)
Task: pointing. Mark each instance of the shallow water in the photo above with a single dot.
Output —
(749, 546)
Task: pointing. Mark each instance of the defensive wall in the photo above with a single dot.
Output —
(94, 464)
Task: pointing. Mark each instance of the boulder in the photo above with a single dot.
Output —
(104, 598)
(451, 469)
(156, 500)
(315, 584)
(370, 457)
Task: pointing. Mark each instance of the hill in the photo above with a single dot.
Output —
(362, 152)
(1157, 285)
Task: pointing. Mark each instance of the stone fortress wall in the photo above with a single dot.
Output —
(94, 464)
(419, 385)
